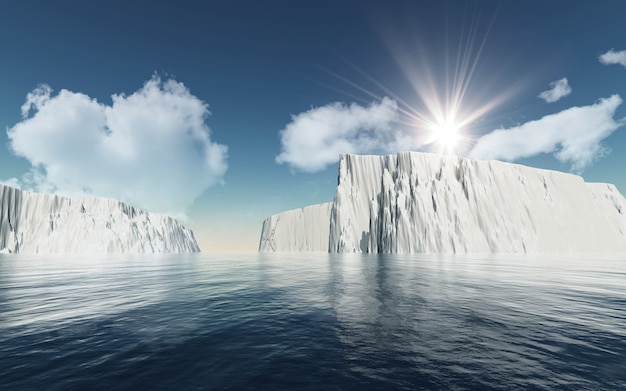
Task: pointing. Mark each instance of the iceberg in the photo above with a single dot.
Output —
(304, 229)
(47, 223)
(416, 202)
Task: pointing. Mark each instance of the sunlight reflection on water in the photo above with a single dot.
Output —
(304, 320)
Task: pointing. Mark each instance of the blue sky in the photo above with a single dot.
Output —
(184, 107)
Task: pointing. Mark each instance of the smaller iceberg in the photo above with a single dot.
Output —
(47, 223)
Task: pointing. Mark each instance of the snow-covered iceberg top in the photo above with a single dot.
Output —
(426, 203)
(47, 223)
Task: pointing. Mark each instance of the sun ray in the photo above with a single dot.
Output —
(442, 116)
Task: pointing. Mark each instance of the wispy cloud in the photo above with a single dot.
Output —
(558, 89)
(151, 148)
(574, 136)
(613, 57)
(314, 139)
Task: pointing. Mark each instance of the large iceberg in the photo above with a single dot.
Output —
(426, 203)
(47, 223)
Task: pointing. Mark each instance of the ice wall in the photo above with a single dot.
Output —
(46, 223)
(304, 229)
(417, 202)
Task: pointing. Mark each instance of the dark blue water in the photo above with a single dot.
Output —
(222, 322)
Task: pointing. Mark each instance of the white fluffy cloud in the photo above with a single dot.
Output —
(573, 135)
(558, 89)
(315, 138)
(151, 148)
(613, 57)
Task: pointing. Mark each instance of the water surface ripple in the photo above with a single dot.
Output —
(312, 321)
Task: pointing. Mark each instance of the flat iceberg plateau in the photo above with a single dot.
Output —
(427, 203)
(47, 223)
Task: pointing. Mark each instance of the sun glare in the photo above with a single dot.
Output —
(446, 133)
(439, 114)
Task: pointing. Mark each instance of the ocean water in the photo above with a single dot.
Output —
(312, 321)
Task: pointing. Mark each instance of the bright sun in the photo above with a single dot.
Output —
(445, 133)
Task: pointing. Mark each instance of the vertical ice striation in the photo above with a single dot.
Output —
(304, 229)
(418, 202)
(47, 223)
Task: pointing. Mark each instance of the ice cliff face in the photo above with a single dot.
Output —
(304, 229)
(46, 223)
(417, 202)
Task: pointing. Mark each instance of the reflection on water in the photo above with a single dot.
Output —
(462, 317)
(311, 321)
